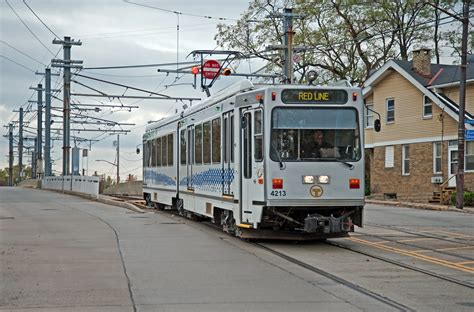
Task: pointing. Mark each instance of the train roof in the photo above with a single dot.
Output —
(238, 87)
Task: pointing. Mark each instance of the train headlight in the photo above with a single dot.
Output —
(308, 179)
(323, 179)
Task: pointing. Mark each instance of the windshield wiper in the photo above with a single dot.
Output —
(348, 164)
(282, 165)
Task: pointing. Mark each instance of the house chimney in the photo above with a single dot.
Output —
(422, 61)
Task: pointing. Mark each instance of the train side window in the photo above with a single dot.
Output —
(225, 142)
(258, 135)
(164, 151)
(152, 153)
(183, 147)
(247, 146)
(150, 150)
(154, 156)
(170, 149)
(206, 139)
(232, 147)
(198, 144)
(158, 152)
(216, 140)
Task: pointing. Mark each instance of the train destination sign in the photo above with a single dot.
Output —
(308, 96)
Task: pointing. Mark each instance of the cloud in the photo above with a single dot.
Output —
(112, 33)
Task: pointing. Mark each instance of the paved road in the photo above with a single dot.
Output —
(63, 253)
(434, 251)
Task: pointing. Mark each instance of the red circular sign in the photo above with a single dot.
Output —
(211, 69)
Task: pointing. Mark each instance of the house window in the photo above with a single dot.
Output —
(369, 115)
(390, 113)
(388, 156)
(469, 155)
(437, 157)
(427, 107)
(405, 159)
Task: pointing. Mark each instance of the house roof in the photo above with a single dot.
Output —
(441, 76)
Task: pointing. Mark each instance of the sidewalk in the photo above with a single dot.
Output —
(426, 206)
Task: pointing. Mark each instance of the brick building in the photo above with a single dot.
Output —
(415, 153)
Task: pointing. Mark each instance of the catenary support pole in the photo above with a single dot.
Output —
(39, 135)
(10, 154)
(47, 124)
(118, 159)
(20, 145)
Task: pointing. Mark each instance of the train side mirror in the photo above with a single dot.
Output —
(138, 150)
(377, 125)
(243, 122)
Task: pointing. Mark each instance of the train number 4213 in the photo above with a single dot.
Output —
(278, 193)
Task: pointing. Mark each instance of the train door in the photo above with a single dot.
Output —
(190, 158)
(251, 163)
(228, 148)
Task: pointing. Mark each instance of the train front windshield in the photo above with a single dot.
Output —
(308, 134)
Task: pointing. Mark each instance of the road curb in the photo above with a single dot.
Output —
(119, 204)
(419, 206)
(100, 199)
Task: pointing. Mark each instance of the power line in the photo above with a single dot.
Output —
(9, 59)
(180, 13)
(23, 53)
(139, 65)
(24, 1)
(34, 35)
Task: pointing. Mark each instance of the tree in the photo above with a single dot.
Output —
(343, 40)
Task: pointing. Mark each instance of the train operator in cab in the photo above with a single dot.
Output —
(317, 147)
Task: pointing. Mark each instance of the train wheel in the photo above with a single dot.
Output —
(148, 202)
(228, 222)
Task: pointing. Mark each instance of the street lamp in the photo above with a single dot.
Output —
(113, 164)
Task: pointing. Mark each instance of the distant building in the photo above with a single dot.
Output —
(415, 153)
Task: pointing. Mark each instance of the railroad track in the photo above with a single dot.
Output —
(333, 277)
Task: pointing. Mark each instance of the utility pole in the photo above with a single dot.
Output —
(20, 145)
(462, 107)
(118, 159)
(67, 64)
(33, 159)
(288, 28)
(47, 120)
(287, 47)
(39, 135)
(462, 98)
(10, 155)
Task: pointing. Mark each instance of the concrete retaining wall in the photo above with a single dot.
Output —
(79, 184)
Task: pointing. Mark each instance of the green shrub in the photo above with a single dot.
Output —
(468, 198)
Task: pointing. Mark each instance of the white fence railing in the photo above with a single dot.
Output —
(80, 184)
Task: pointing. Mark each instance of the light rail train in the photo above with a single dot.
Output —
(273, 161)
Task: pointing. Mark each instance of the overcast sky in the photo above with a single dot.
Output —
(112, 33)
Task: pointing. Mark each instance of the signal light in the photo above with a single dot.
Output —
(274, 95)
(354, 183)
(354, 96)
(226, 71)
(277, 183)
(195, 70)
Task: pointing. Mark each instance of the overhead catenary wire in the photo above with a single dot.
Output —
(21, 65)
(44, 24)
(180, 13)
(23, 53)
(34, 35)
